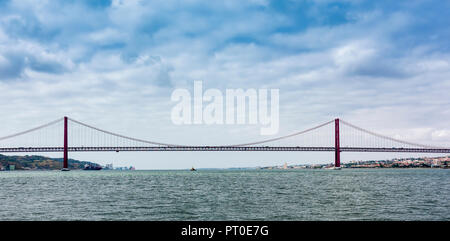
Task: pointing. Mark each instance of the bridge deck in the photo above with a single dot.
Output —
(223, 148)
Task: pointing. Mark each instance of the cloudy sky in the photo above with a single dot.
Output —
(382, 65)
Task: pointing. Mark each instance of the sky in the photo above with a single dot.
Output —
(381, 65)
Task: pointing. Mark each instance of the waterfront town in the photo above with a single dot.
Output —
(420, 162)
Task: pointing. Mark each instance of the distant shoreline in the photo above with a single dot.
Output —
(42, 163)
(37, 163)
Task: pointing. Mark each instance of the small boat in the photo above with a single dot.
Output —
(193, 169)
(65, 169)
(92, 168)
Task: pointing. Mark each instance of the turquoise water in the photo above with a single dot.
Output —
(348, 194)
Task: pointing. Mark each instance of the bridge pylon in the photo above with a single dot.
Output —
(337, 149)
(66, 151)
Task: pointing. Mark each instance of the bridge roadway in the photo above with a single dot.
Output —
(222, 148)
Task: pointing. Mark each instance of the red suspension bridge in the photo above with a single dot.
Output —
(335, 136)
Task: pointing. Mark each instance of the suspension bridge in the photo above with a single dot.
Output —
(69, 135)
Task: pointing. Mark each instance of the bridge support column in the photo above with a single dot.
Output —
(337, 150)
(66, 152)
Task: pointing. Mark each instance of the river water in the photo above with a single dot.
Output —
(348, 194)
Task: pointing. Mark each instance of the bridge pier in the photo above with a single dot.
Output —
(66, 151)
(337, 150)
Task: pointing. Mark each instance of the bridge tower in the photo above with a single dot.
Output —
(337, 150)
(65, 163)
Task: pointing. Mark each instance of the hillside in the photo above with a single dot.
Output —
(38, 163)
